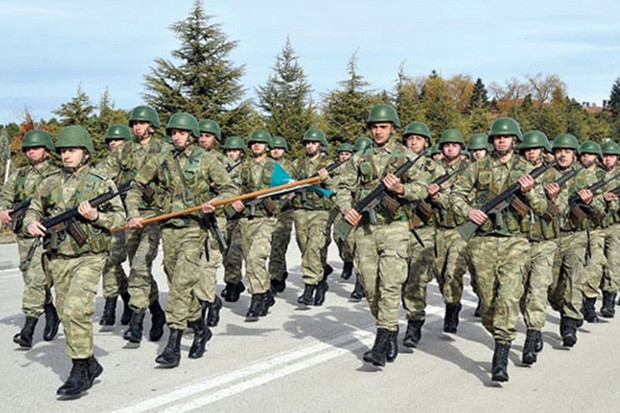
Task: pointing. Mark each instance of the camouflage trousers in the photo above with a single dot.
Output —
(611, 272)
(346, 247)
(312, 229)
(381, 253)
(233, 259)
(142, 245)
(419, 272)
(205, 289)
(279, 245)
(450, 264)
(565, 293)
(595, 263)
(76, 281)
(36, 292)
(114, 279)
(256, 236)
(533, 303)
(501, 265)
(184, 265)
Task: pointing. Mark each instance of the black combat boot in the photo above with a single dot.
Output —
(94, 369)
(108, 318)
(232, 291)
(267, 302)
(413, 333)
(608, 309)
(52, 322)
(321, 289)
(392, 348)
(171, 356)
(134, 332)
(256, 306)
(127, 311)
(213, 316)
(278, 286)
(499, 368)
(377, 355)
(568, 331)
(24, 337)
(538, 345)
(532, 338)
(327, 269)
(358, 291)
(82, 376)
(158, 320)
(451, 319)
(202, 334)
(347, 270)
(589, 311)
(307, 297)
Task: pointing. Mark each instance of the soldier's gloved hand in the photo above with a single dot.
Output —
(238, 206)
(526, 182)
(87, 211)
(36, 229)
(208, 207)
(477, 216)
(352, 216)
(393, 184)
(586, 196)
(135, 223)
(5, 218)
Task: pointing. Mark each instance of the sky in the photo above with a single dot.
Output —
(50, 48)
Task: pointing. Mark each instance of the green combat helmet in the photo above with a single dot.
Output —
(37, 138)
(478, 141)
(314, 135)
(279, 142)
(262, 136)
(345, 147)
(74, 137)
(451, 136)
(433, 150)
(183, 121)
(505, 126)
(383, 113)
(610, 148)
(417, 128)
(210, 126)
(566, 141)
(118, 132)
(535, 139)
(591, 147)
(362, 143)
(146, 114)
(234, 142)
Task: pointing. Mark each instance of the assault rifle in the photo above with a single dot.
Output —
(422, 208)
(17, 214)
(366, 204)
(574, 201)
(500, 202)
(229, 168)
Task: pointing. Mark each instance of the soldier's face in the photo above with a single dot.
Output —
(588, 157)
(234, 154)
(36, 154)
(114, 143)
(140, 128)
(258, 148)
(312, 147)
(71, 157)
(610, 161)
(478, 153)
(207, 140)
(451, 150)
(532, 155)
(416, 143)
(180, 138)
(381, 132)
(343, 156)
(503, 143)
(276, 153)
(565, 157)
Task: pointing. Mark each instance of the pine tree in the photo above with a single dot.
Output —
(407, 99)
(286, 99)
(479, 97)
(438, 102)
(205, 82)
(614, 99)
(78, 111)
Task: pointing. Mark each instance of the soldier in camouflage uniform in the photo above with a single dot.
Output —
(311, 215)
(590, 152)
(479, 146)
(258, 223)
(565, 293)
(209, 140)
(449, 264)
(234, 149)
(611, 273)
(381, 248)
(282, 234)
(122, 165)
(186, 174)
(114, 279)
(76, 269)
(500, 274)
(543, 247)
(345, 247)
(417, 137)
(20, 187)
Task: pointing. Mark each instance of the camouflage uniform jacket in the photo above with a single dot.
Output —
(256, 175)
(307, 198)
(364, 172)
(202, 176)
(487, 178)
(443, 214)
(60, 191)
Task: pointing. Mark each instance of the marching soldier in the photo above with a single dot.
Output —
(345, 247)
(76, 268)
(21, 187)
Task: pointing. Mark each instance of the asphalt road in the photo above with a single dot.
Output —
(297, 360)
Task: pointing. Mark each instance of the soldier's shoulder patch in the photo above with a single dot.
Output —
(96, 175)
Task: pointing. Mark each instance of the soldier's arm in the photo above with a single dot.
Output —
(347, 183)
(147, 173)
(462, 190)
(7, 195)
(112, 213)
